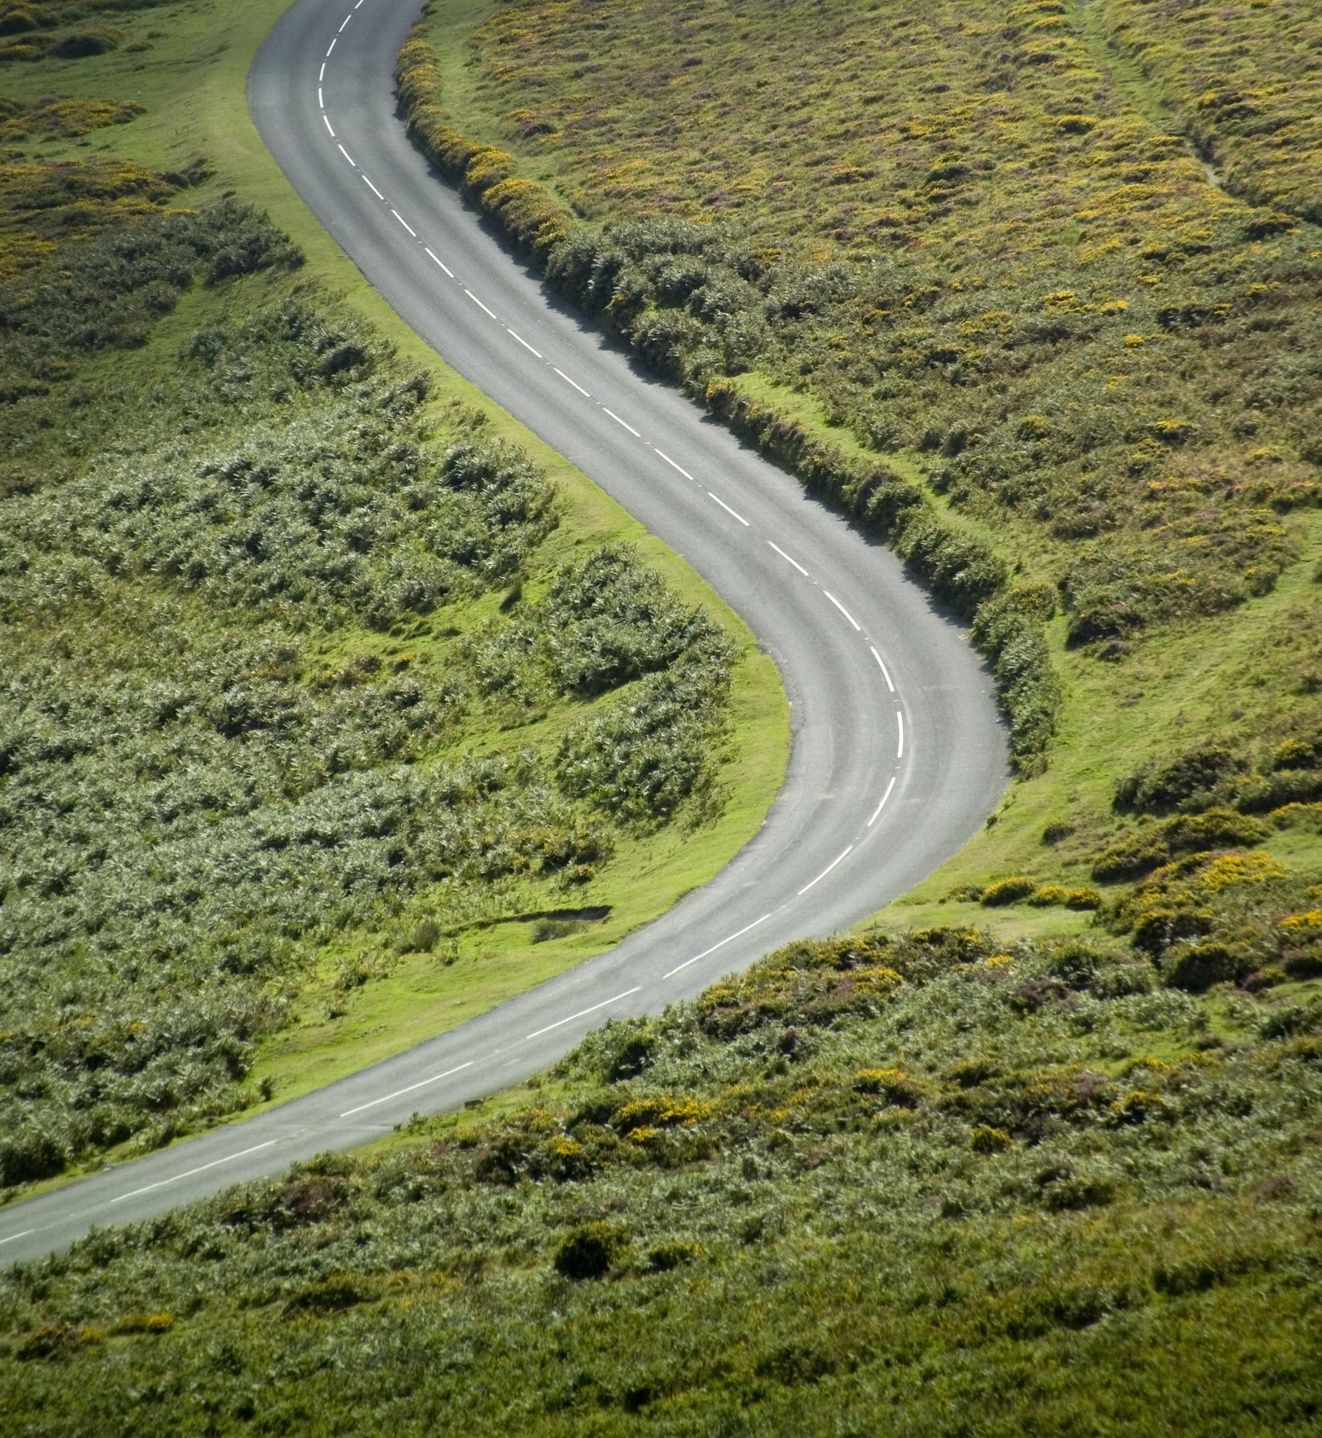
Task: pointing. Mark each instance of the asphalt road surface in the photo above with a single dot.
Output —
(898, 755)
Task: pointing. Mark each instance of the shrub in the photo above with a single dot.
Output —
(589, 1251)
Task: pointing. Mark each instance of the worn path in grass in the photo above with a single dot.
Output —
(898, 755)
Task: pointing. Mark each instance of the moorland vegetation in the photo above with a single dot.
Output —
(1038, 1152)
(302, 679)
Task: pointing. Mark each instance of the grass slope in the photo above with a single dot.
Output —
(290, 777)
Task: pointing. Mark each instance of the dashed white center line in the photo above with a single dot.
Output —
(728, 510)
(404, 222)
(346, 154)
(439, 261)
(373, 188)
(729, 939)
(14, 1237)
(582, 1013)
(347, 18)
(575, 383)
(523, 342)
(838, 860)
(331, 47)
(326, 118)
(400, 1092)
(787, 558)
(677, 468)
(479, 303)
(321, 104)
(876, 813)
(899, 719)
(193, 1172)
(885, 673)
(857, 626)
(321, 74)
(624, 422)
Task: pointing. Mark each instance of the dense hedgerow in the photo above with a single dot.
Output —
(946, 1177)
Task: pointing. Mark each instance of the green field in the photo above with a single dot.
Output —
(290, 775)
(1031, 289)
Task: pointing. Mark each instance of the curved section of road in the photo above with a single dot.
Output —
(898, 754)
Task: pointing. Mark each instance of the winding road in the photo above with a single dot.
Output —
(898, 755)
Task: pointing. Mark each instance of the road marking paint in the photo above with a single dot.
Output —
(321, 74)
(193, 1172)
(876, 813)
(347, 18)
(624, 422)
(332, 46)
(885, 673)
(728, 510)
(400, 1092)
(321, 104)
(14, 1237)
(440, 262)
(346, 154)
(326, 118)
(727, 940)
(582, 1013)
(787, 558)
(857, 626)
(479, 303)
(899, 719)
(404, 222)
(826, 871)
(373, 188)
(575, 383)
(677, 468)
(523, 342)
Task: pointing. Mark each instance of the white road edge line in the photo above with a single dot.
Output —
(728, 510)
(858, 628)
(479, 304)
(787, 558)
(885, 673)
(439, 261)
(193, 1172)
(624, 422)
(574, 382)
(838, 860)
(373, 188)
(876, 813)
(404, 222)
(582, 1013)
(400, 1092)
(677, 468)
(523, 342)
(729, 939)
(346, 154)
(899, 748)
(14, 1237)
(326, 118)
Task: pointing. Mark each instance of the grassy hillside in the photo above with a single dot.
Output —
(1038, 1153)
(922, 1186)
(291, 775)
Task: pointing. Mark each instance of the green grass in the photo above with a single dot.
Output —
(185, 66)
